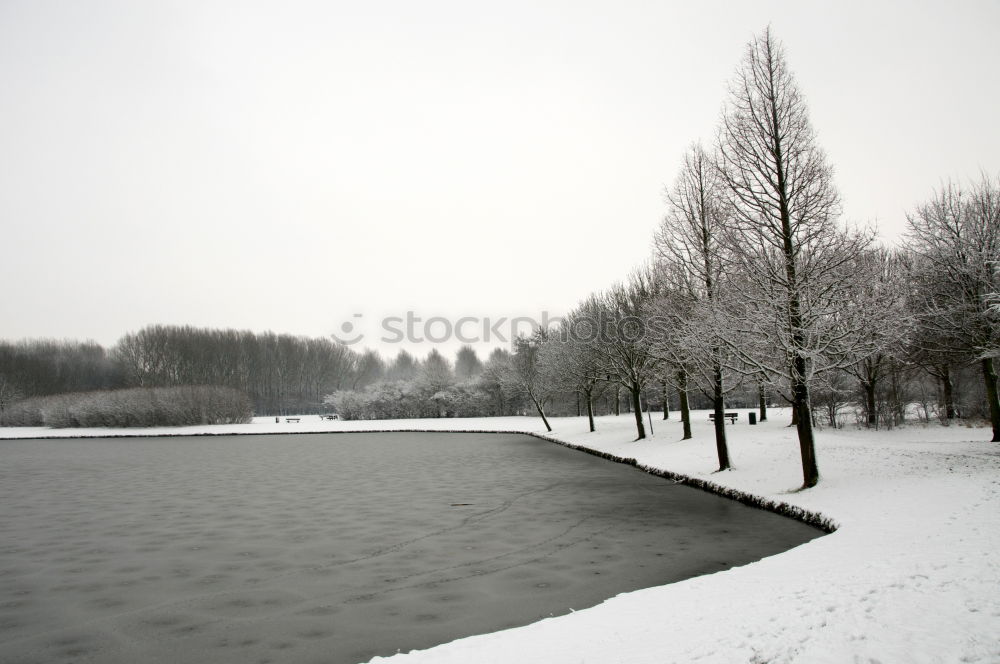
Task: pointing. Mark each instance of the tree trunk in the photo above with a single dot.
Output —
(898, 410)
(949, 393)
(719, 405)
(637, 408)
(541, 414)
(666, 402)
(990, 378)
(870, 407)
(578, 413)
(807, 446)
(762, 400)
(590, 409)
(685, 406)
(618, 400)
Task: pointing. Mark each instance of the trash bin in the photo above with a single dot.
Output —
(753, 417)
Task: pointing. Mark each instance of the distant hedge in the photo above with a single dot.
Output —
(137, 407)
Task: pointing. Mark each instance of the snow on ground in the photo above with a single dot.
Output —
(911, 575)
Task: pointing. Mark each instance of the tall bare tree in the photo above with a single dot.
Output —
(784, 238)
(691, 239)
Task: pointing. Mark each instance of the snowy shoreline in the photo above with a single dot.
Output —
(909, 575)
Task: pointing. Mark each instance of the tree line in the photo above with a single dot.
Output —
(278, 372)
(504, 384)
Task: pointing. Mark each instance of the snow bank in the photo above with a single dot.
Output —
(910, 575)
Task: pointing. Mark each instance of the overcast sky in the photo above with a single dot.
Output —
(286, 165)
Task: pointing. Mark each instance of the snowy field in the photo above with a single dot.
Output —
(911, 575)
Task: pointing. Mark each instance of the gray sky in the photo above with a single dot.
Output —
(286, 165)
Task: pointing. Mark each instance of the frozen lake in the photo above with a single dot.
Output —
(333, 547)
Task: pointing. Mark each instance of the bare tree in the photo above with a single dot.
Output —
(956, 236)
(623, 341)
(690, 238)
(525, 374)
(884, 322)
(571, 360)
(784, 238)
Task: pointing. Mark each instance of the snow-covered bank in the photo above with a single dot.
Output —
(911, 575)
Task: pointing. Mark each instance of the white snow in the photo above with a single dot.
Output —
(911, 575)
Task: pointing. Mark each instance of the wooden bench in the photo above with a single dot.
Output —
(292, 419)
(729, 416)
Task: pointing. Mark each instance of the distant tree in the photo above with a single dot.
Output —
(674, 302)
(9, 393)
(368, 369)
(525, 374)
(436, 370)
(832, 392)
(403, 367)
(435, 378)
(570, 360)
(491, 382)
(880, 305)
(624, 339)
(463, 400)
(467, 364)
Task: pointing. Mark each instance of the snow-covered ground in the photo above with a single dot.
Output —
(911, 575)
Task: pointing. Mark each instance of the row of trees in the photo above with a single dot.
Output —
(279, 372)
(754, 282)
(508, 383)
(41, 367)
(407, 387)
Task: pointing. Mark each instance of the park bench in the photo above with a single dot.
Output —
(729, 416)
(292, 419)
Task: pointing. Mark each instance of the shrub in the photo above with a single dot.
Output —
(137, 407)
